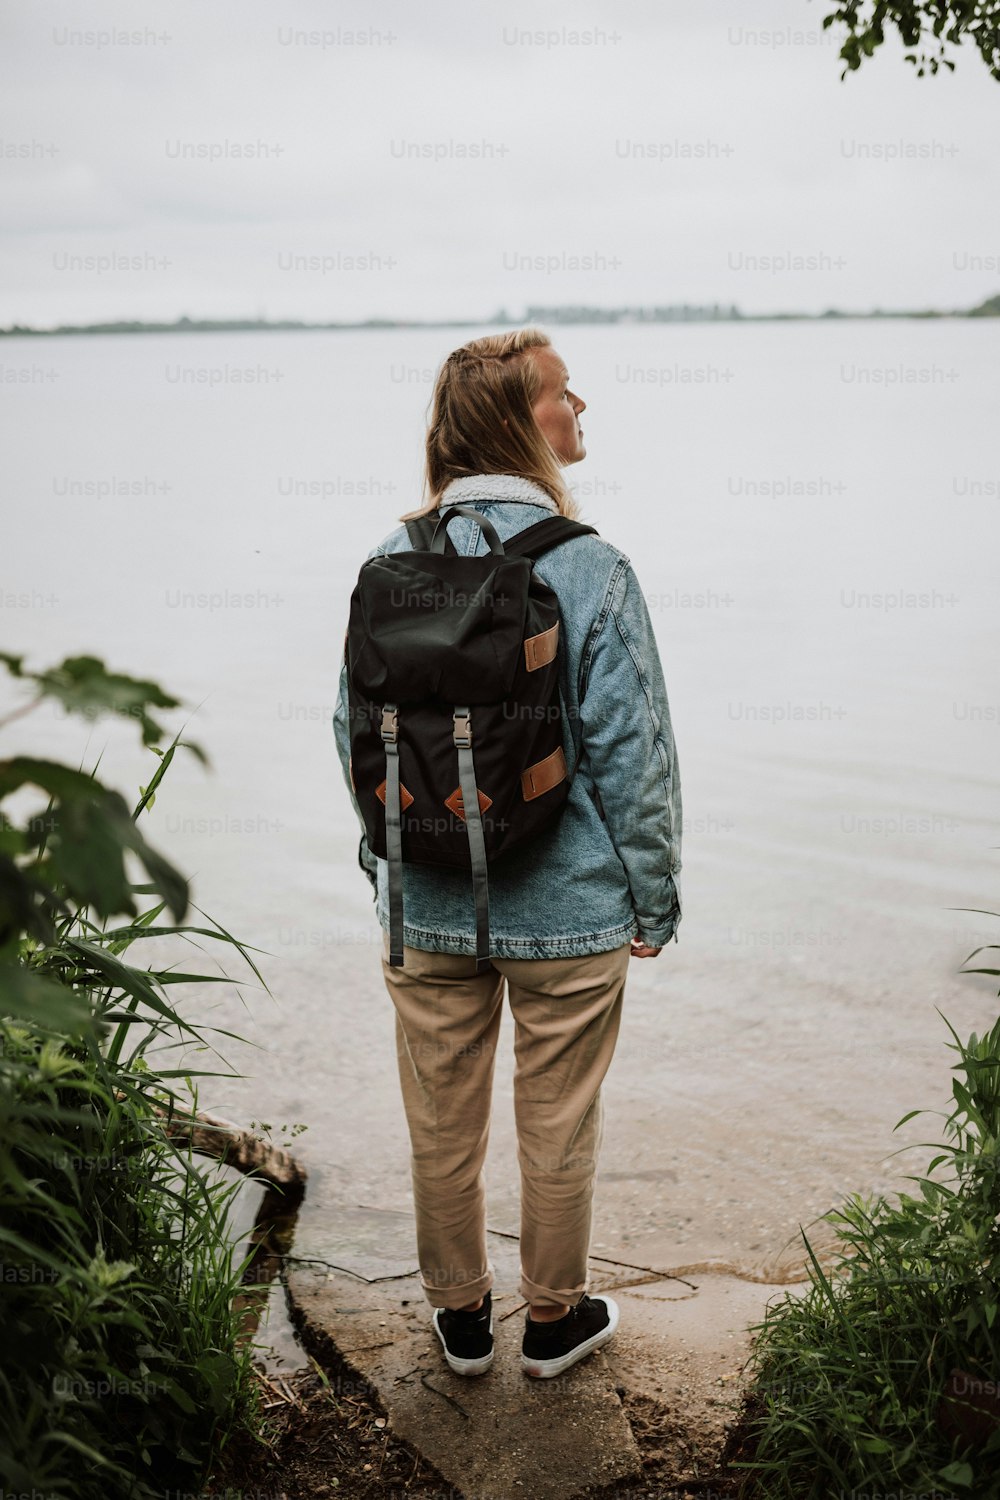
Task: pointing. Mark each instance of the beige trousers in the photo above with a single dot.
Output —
(567, 1014)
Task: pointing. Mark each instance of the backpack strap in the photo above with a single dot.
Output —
(543, 535)
(462, 736)
(393, 832)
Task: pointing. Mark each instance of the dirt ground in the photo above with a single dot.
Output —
(320, 1445)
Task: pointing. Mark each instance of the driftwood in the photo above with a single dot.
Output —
(208, 1135)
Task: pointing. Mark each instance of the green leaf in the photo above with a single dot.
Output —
(219, 1374)
(179, 1396)
(83, 685)
(85, 847)
(85, 834)
(20, 909)
(44, 1002)
(49, 775)
(12, 663)
(12, 840)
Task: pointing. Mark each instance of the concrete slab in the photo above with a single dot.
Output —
(499, 1436)
(677, 1359)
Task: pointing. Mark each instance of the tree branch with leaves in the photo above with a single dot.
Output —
(927, 28)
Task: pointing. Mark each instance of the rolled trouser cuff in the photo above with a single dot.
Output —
(547, 1296)
(458, 1296)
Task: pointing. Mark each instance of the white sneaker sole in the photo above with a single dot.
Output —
(464, 1366)
(544, 1369)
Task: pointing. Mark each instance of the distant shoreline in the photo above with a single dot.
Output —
(557, 316)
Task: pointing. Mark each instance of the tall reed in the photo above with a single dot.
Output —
(122, 1374)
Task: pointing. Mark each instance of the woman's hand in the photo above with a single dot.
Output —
(642, 950)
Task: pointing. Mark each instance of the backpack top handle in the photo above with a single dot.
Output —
(488, 530)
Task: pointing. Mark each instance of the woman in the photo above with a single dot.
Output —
(599, 886)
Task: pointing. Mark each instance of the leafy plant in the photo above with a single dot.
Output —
(122, 1373)
(884, 1374)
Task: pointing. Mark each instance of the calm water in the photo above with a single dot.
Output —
(812, 513)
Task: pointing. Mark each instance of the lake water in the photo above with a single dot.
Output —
(812, 511)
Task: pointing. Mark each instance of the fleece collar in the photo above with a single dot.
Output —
(515, 487)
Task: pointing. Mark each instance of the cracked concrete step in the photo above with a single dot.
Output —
(499, 1436)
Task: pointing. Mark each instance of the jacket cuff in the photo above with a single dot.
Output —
(657, 934)
(658, 937)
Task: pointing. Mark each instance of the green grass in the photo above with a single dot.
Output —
(849, 1378)
(122, 1374)
(120, 1371)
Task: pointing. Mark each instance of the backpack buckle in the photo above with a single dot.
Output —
(462, 730)
(390, 723)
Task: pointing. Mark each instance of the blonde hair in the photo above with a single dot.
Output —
(481, 421)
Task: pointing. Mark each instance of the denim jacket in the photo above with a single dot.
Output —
(607, 868)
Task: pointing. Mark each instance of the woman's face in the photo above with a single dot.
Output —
(556, 408)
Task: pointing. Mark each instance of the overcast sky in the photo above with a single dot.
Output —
(320, 160)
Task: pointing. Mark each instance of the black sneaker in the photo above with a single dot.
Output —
(466, 1337)
(550, 1348)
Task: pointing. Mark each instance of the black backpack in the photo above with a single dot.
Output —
(456, 722)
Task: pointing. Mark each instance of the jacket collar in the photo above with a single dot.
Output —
(501, 487)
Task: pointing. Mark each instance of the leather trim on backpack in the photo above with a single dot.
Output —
(405, 797)
(543, 775)
(540, 649)
(454, 802)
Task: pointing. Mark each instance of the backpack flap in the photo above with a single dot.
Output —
(424, 626)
